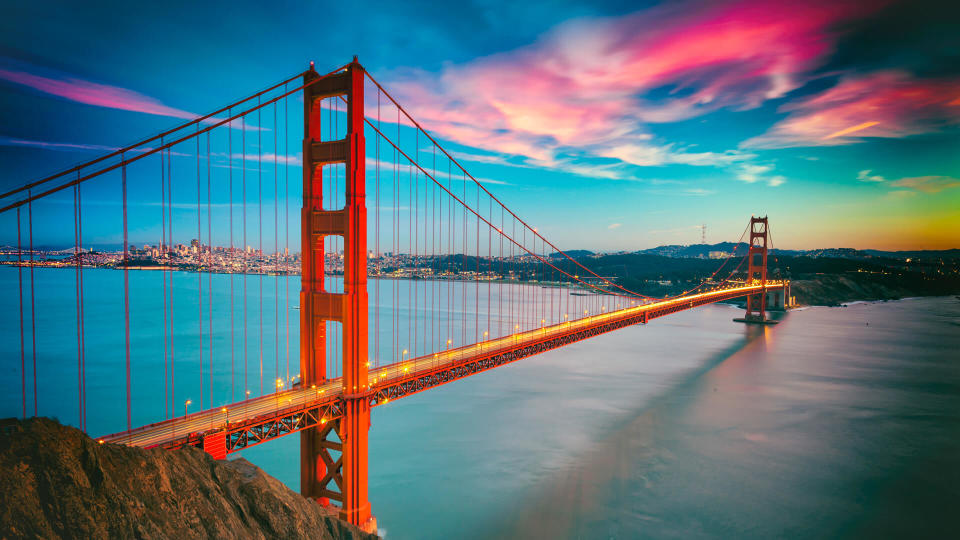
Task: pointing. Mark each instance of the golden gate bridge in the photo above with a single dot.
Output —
(433, 224)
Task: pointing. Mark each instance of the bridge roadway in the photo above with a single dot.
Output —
(266, 417)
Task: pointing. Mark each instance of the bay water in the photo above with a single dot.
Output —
(836, 422)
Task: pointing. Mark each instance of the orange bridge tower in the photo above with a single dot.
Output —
(322, 476)
(757, 272)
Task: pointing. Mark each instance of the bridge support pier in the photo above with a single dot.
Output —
(324, 477)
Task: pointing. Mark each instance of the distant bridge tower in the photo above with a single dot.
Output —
(322, 477)
(757, 271)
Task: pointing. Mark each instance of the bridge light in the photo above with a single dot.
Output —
(100, 441)
(323, 420)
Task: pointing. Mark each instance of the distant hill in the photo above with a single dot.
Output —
(925, 254)
(573, 253)
(706, 251)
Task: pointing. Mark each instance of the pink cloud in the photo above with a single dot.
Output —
(587, 84)
(101, 95)
(90, 93)
(888, 104)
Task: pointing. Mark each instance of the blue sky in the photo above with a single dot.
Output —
(612, 126)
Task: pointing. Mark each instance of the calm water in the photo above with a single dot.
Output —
(837, 422)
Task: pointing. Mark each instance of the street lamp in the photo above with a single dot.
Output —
(185, 405)
(226, 415)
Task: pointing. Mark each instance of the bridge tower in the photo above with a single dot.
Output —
(757, 270)
(323, 477)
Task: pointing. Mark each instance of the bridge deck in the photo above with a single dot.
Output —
(266, 417)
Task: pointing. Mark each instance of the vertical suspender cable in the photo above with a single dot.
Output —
(33, 307)
(162, 251)
(209, 278)
(199, 259)
(76, 256)
(260, 233)
(126, 293)
(286, 222)
(83, 345)
(23, 355)
(276, 253)
(246, 253)
(173, 386)
(376, 301)
(233, 344)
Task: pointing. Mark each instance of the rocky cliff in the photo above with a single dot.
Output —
(55, 482)
(832, 290)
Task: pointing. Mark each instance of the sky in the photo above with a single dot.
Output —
(608, 125)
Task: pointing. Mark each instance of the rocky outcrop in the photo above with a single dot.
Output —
(832, 290)
(55, 482)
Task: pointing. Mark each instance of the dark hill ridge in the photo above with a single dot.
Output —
(55, 482)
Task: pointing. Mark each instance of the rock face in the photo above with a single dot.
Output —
(55, 482)
(834, 290)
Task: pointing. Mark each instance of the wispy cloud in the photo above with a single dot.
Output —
(79, 90)
(614, 226)
(91, 93)
(927, 184)
(865, 176)
(924, 184)
(888, 104)
(752, 173)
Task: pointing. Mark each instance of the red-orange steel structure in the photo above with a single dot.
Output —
(333, 415)
(757, 269)
(323, 477)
